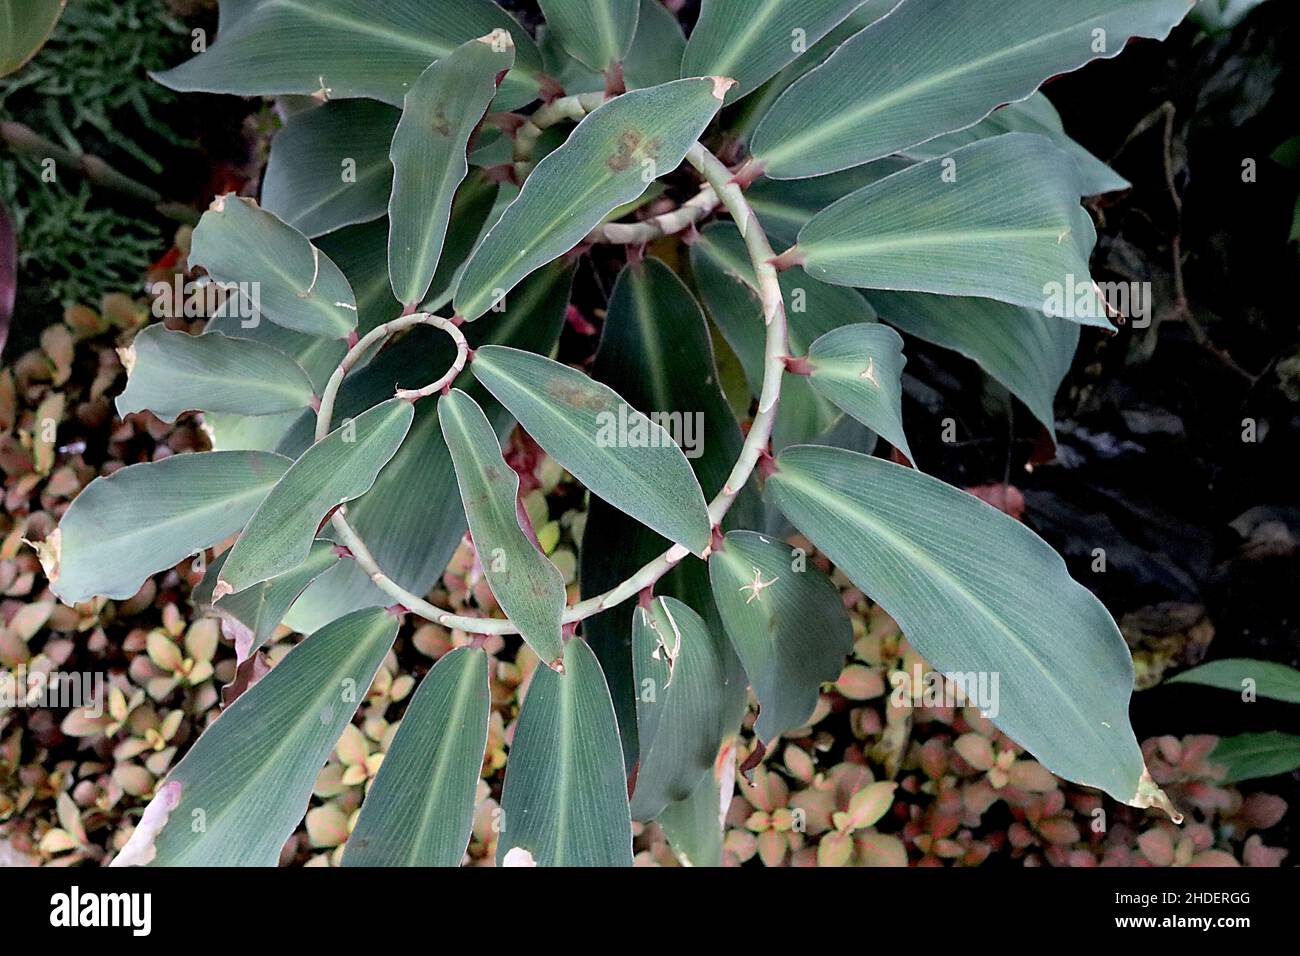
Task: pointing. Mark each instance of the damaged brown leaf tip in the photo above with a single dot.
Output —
(142, 847)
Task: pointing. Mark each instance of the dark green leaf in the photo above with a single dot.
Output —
(726, 282)
(278, 270)
(1028, 352)
(597, 32)
(316, 356)
(753, 44)
(860, 368)
(341, 466)
(616, 451)
(784, 206)
(250, 617)
(247, 780)
(690, 697)
(694, 826)
(440, 113)
(329, 167)
(420, 808)
(361, 251)
(610, 159)
(412, 518)
(565, 796)
(980, 595)
(1251, 756)
(526, 585)
(1034, 115)
(349, 49)
(934, 66)
(786, 622)
(999, 219)
(174, 372)
(655, 351)
(1241, 674)
(144, 518)
(654, 57)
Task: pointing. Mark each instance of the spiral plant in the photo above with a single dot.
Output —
(386, 313)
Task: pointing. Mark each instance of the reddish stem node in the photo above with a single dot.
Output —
(798, 365)
(549, 87)
(646, 596)
(744, 176)
(614, 82)
(787, 260)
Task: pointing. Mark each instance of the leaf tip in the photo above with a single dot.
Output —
(142, 847)
(1149, 794)
(127, 357)
(720, 86)
(50, 553)
(499, 40)
(518, 856)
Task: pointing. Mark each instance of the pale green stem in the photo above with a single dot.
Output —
(665, 224)
(756, 441)
(381, 333)
(565, 108)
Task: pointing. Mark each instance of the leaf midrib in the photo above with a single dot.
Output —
(594, 185)
(446, 750)
(614, 454)
(936, 570)
(419, 44)
(855, 116)
(286, 741)
(217, 507)
(741, 42)
(904, 241)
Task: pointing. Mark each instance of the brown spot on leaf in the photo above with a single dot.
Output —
(576, 396)
(631, 147)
